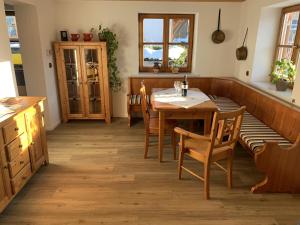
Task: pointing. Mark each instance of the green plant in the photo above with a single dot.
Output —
(112, 44)
(180, 60)
(284, 70)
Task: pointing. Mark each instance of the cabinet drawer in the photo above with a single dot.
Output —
(14, 128)
(19, 163)
(16, 147)
(18, 182)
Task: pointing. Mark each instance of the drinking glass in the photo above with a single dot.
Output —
(177, 86)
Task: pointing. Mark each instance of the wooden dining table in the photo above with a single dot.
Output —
(203, 111)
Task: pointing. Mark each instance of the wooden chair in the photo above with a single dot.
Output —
(210, 149)
(151, 122)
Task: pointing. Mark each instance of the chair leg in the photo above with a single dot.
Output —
(206, 180)
(173, 140)
(229, 171)
(146, 144)
(180, 162)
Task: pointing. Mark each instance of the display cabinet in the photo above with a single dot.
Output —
(83, 80)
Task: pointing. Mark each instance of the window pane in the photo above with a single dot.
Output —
(289, 28)
(179, 31)
(285, 53)
(153, 30)
(178, 55)
(152, 53)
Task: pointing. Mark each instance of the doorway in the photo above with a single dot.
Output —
(15, 47)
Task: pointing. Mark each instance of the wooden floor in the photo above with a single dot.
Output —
(98, 175)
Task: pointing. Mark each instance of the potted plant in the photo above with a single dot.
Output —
(175, 66)
(156, 67)
(112, 44)
(284, 74)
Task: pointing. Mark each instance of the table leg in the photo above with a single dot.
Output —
(207, 123)
(161, 134)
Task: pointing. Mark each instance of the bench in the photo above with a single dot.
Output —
(267, 120)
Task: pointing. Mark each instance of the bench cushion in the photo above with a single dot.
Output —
(253, 132)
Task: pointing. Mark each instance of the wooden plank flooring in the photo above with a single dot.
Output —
(98, 175)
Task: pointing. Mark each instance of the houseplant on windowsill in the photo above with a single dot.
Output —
(284, 74)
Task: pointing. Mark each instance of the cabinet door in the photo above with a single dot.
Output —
(33, 123)
(5, 188)
(72, 82)
(93, 81)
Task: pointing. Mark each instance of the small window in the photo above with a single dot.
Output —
(166, 39)
(289, 36)
(12, 27)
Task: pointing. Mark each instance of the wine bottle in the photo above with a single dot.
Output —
(185, 86)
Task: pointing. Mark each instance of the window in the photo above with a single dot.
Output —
(166, 39)
(289, 36)
(12, 27)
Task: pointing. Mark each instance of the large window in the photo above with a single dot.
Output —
(289, 36)
(166, 39)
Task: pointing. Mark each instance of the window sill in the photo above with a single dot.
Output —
(271, 89)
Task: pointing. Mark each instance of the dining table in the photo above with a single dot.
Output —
(171, 105)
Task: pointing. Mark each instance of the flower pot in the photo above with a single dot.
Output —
(282, 85)
(175, 70)
(87, 36)
(75, 37)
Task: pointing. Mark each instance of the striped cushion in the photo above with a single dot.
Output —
(253, 131)
(136, 99)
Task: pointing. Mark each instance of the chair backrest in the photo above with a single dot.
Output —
(225, 128)
(144, 105)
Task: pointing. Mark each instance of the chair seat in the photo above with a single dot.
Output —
(154, 125)
(198, 149)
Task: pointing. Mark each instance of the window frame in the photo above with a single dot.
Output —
(166, 42)
(296, 46)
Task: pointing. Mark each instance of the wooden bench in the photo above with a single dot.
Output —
(267, 120)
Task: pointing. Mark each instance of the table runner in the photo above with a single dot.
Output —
(170, 96)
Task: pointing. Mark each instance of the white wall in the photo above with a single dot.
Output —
(122, 16)
(36, 31)
(8, 87)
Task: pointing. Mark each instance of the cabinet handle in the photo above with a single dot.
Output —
(5, 167)
(32, 143)
(20, 146)
(24, 178)
(16, 129)
(21, 162)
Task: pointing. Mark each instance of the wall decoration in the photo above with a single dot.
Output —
(64, 35)
(218, 36)
(242, 52)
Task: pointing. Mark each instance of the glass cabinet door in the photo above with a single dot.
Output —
(92, 76)
(73, 80)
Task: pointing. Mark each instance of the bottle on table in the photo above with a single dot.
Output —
(185, 86)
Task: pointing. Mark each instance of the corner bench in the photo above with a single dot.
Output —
(267, 120)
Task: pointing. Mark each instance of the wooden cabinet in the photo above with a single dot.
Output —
(23, 147)
(36, 132)
(83, 80)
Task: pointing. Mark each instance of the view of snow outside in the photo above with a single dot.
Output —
(153, 32)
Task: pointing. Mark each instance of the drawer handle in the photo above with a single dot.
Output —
(16, 129)
(21, 162)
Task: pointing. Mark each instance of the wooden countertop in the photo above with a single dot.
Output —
(18, 105)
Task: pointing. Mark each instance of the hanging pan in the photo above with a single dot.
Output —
(242, 52)
(218, 36)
